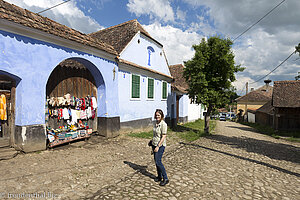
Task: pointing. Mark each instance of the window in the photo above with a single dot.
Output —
(164, 90)
(150, 88)
(135, 86)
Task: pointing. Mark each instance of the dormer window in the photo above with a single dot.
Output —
(150, 50)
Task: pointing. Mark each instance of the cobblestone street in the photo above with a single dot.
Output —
(233, 163)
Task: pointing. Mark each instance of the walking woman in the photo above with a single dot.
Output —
(159, 145)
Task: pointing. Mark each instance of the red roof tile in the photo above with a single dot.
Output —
(29, 19)
(286, 94)
(262, 94)
(179, 81)
(120, 35)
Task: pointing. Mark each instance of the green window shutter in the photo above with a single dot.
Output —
(150, 88)
(135, 86)
(164, 90)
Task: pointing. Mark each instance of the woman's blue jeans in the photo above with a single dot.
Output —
(161, 171)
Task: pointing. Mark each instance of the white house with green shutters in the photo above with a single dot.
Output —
(144, 79)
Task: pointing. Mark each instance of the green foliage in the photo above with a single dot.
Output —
(192, 131)
(211, 71)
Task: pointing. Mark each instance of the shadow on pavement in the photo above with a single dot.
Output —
(272, 150)
(244, 128)
(243, 158)
(140, 169)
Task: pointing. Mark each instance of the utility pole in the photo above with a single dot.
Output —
(246, 113)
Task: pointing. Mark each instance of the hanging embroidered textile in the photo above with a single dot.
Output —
(3, 114)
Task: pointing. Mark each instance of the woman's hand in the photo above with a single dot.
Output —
(156, 149)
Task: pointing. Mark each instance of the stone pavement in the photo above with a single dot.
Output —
(235, 163)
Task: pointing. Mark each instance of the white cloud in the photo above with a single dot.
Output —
(267, 44)
(156, 9)
(177, 43)
(181, 15)
(68, 14)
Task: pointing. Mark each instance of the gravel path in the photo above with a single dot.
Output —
(233, 163)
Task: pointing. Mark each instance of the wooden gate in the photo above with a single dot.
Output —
(71, 77)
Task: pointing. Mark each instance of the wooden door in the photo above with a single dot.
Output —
(7, 127)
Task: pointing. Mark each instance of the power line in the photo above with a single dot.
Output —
(258, 21)
(53, 7)
(274, 68)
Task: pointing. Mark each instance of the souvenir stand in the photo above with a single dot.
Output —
(67, 118)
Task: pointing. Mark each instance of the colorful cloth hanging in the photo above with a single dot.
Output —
(3, 114)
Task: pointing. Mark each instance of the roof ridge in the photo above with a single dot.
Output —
(115, 26)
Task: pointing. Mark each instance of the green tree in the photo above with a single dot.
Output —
(210, 74)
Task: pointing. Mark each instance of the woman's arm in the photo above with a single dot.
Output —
(160, 142)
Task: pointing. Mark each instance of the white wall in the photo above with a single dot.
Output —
(251, 117)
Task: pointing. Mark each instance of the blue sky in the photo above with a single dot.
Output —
(178, 24)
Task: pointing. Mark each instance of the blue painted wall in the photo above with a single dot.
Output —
(138, 53)
(33, 61)
(133, 109)
(147, 53)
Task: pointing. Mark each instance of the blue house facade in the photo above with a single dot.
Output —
(31, 48)
(42, 62)
(144, 77)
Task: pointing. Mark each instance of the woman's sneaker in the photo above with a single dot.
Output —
(157, 179)
(164, 182)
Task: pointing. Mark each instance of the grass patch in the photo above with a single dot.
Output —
(267, 130)
(187, 132)
(146, 135)
(193, 130)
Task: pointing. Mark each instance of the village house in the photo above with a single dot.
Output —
(286, 104)
(58, 85)
(143, 77)
(254, 99)
(185, 110)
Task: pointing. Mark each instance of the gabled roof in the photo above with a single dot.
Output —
(120, 35)
(286, 94)
(179, 81)
(143, 68)
(262, 94)
(29, 19)
(266, 108)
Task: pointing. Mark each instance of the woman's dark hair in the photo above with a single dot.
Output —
(160, 112)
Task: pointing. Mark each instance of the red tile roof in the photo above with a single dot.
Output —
(120, 35)
(29, 19)
(262, 94)
(266, 108)
(179, 81)
(286, 94)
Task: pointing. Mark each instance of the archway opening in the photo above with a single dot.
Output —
(71, 92)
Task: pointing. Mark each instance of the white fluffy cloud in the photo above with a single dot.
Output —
(67, 14)
(156, 9)
(267, 44)
(177, 43)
